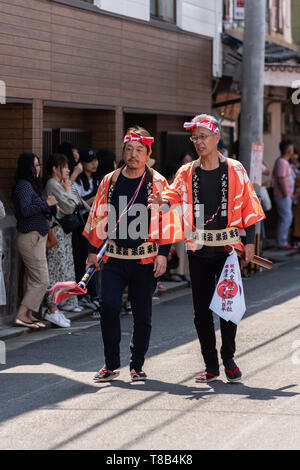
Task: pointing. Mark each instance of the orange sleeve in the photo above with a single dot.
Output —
(174, 192)
(252, 211)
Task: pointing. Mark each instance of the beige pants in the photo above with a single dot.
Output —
(32, 248)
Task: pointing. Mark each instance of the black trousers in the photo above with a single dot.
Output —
(116, 275)
(204, 272)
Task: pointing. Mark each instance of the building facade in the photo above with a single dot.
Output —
(86, 70)
(281, 77)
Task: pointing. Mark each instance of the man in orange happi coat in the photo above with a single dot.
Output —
(215, 193)
(136, 254)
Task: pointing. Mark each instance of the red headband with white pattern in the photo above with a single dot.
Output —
(138, 138)
(206, 124)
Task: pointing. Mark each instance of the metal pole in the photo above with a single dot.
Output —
(252, 106)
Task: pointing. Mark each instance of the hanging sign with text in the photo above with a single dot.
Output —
(256, 163)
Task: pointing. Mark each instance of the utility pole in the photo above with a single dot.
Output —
(252, 106)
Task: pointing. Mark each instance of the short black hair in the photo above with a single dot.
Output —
(284, 145)
(106, 158)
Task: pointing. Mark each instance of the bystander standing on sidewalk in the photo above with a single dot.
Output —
(60, 257)
(296, 200)
(283, 192)
(32, 227)
(2, 284)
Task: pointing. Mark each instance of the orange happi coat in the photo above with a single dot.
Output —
(240, 206)
(165, 228)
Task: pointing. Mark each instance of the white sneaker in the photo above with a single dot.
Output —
(57, 318)
(63, 317)
(69, 308)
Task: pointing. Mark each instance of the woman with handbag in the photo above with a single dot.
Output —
(32, 226)
(60, 257)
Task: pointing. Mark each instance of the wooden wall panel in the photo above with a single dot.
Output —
(102, 125)
(52, 51)
(55, 117)
(100, 122)
(15, 138)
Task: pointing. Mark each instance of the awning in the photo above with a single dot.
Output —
(282, 65)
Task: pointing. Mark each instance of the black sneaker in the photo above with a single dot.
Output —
(105, 375)
(135, 376)
(205, 377)
(232, 371)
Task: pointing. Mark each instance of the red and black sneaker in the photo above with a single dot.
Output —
(135, 376)
(105, 375)
(232, 371)
(205, 377)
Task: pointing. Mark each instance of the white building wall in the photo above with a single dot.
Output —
(205, 18)
(287, 32)
(199, 16)
(139, 9)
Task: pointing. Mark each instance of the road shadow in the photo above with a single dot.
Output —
(83, 352)
(201, 391)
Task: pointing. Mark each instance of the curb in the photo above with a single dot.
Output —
(9, 332)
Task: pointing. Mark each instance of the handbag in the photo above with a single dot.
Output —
(70, 222)
(51, 239)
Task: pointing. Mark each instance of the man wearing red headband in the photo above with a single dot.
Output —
(137, 250)
(215, 194)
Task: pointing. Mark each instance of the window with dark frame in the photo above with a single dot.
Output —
(164, 10)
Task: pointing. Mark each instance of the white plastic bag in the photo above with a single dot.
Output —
(265, 199)
(228, 300)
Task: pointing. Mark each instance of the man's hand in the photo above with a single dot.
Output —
(160, 265)
(156, 200)
(78, 169)
(296, 195)
(92, 259)
(249, 252)
(67, 185)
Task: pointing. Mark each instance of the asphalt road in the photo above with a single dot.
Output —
(48, 399)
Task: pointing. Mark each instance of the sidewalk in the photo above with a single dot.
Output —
(9, 331)
(276, 256)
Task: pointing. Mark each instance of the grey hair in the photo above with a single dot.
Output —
(204, 117)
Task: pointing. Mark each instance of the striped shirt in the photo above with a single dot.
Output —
(30, 209)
